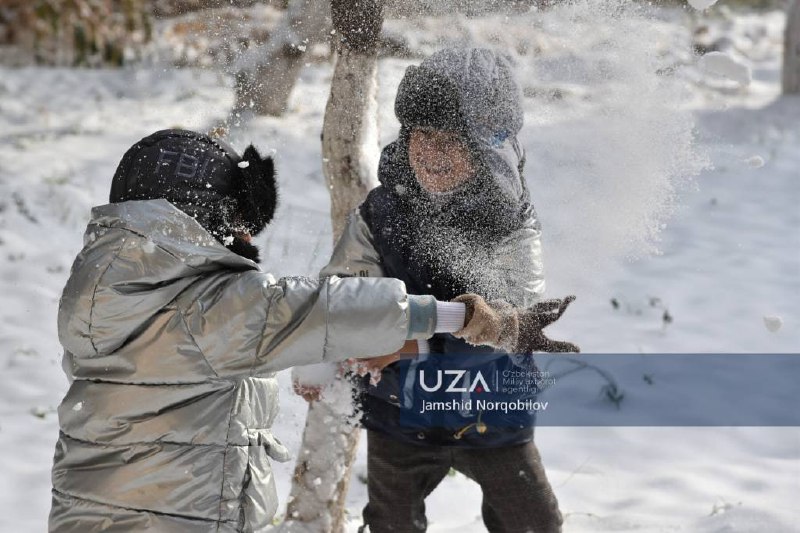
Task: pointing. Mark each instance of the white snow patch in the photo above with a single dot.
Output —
(78, 406)
(756, 161)
(149, 246)
(773, 323)
(315, 375)
(700, 5)
(724, 65)
(243, 164)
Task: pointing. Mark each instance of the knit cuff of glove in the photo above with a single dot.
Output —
(450, 316)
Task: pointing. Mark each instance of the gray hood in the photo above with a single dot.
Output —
(489, 95)
(472, 91)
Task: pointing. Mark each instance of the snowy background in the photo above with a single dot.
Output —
(667, 185)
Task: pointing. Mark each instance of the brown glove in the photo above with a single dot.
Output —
(493, 323)
(497, 323)
(534, 319)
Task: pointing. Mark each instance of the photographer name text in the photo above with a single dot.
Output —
(483, 405)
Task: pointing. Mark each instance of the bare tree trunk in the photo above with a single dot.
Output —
(350, 149)
(791, 53)
(350, 154)
(267, 74)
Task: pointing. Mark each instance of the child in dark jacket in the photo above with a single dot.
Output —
(452, 215)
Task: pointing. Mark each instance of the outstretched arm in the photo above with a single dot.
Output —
(252, 325)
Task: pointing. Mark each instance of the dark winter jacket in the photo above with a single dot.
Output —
(171, 345)
(510, 268)
(483, 238)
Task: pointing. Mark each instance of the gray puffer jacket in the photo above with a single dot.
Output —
(171, 344)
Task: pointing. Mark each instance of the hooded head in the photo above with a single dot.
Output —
(470, 90)
(231, 196)
(469, 94)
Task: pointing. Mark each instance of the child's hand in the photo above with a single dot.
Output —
(310, 393)
(492, 323)
(374, 365)
(500, 325)
(534, 319)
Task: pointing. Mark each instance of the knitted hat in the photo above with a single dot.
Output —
(204, 177)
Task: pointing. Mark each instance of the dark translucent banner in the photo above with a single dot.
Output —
(479, 392)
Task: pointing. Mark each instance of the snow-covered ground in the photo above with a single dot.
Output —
(634, 151)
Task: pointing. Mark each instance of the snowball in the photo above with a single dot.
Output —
(317, 375)
(243, 164)
(773, 323)
(702, 4)
(756, 161)
(720, 64)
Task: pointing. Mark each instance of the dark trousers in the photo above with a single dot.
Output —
(517, 498)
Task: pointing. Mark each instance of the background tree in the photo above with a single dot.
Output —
(266, 74)
(75, 32)
(350, 153)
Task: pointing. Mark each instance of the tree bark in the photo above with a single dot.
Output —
(350, 149)
(350, 153)
(791, 53)
(267, 74)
